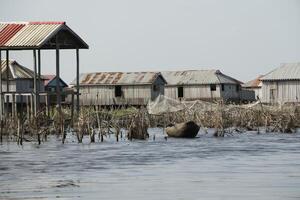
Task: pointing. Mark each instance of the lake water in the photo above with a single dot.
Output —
(241, 166)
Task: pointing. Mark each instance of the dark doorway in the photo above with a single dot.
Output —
(180, 92)
(118, 91)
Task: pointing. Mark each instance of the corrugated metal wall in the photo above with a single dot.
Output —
(105, 95)
(230, 92)
(280, 91)
(192, 92)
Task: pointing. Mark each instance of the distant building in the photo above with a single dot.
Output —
(201, 84)
(282, 85)
(254, 85)
(50, 87)
(20, 78)
(120, 88)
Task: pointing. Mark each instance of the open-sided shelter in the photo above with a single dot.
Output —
(35, 37)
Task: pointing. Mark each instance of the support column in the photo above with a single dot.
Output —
(39, 80)
(77, 81)
(34, 83)
(1, 108)
(58, 93)
(7, 81)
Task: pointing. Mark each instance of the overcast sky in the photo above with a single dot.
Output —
(242, 38)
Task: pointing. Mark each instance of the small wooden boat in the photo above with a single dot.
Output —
(183, 130)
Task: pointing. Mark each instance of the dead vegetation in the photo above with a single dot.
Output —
(98, 123)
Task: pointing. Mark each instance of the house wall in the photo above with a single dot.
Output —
(230, 92)
(22, 86)
(12, 86)
(257, 91)
(105, 95)
(193, 92)
(280, 91)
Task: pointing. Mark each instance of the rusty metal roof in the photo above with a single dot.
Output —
(253, 83)
(287, 71)
(30, 35)
(16, 70)
(197, 77)
(118, 78)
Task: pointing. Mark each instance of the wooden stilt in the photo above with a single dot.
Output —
(58, 93)
(39, 80)
(7, 81)
(47, 105)
(35, 84)
(31, 106)
(77, 81)
(1, 105)
(72, 109)
(13, 100)
(28, 106)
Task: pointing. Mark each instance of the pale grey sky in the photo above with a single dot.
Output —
(242, 38)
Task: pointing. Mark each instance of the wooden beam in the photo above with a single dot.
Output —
(77, 80)
(34, 83)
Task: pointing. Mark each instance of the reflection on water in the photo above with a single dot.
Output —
(242, 166)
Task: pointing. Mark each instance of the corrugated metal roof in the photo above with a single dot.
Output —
(50, 81)
(31, 34)
(197, 77)
(117, 78)
(253, 83)
(287, 71)
(17, 71)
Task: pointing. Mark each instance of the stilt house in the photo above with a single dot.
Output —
(120, 88)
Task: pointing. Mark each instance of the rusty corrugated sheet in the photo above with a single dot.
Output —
(117, 78)
(8, 32)
(253, 83)
(31, 34)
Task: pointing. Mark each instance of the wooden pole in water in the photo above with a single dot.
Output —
(13, 105)
(47, 104)
(58, 95)
(58, 92)
(7, 80)
(77, 80)
(1, 105)
(39, 79)
(31, 105)
(1, 108)
(34, 83)
(72, 109)
(28, 106)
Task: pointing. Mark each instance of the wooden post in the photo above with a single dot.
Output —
(7, 80)
(13, 109)
(1, 107)
(39, 80)
(28, 106)
(58, 95)
(72, 109)
(77, 81)
(34, 84)
(47, 105)
(31, 105)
